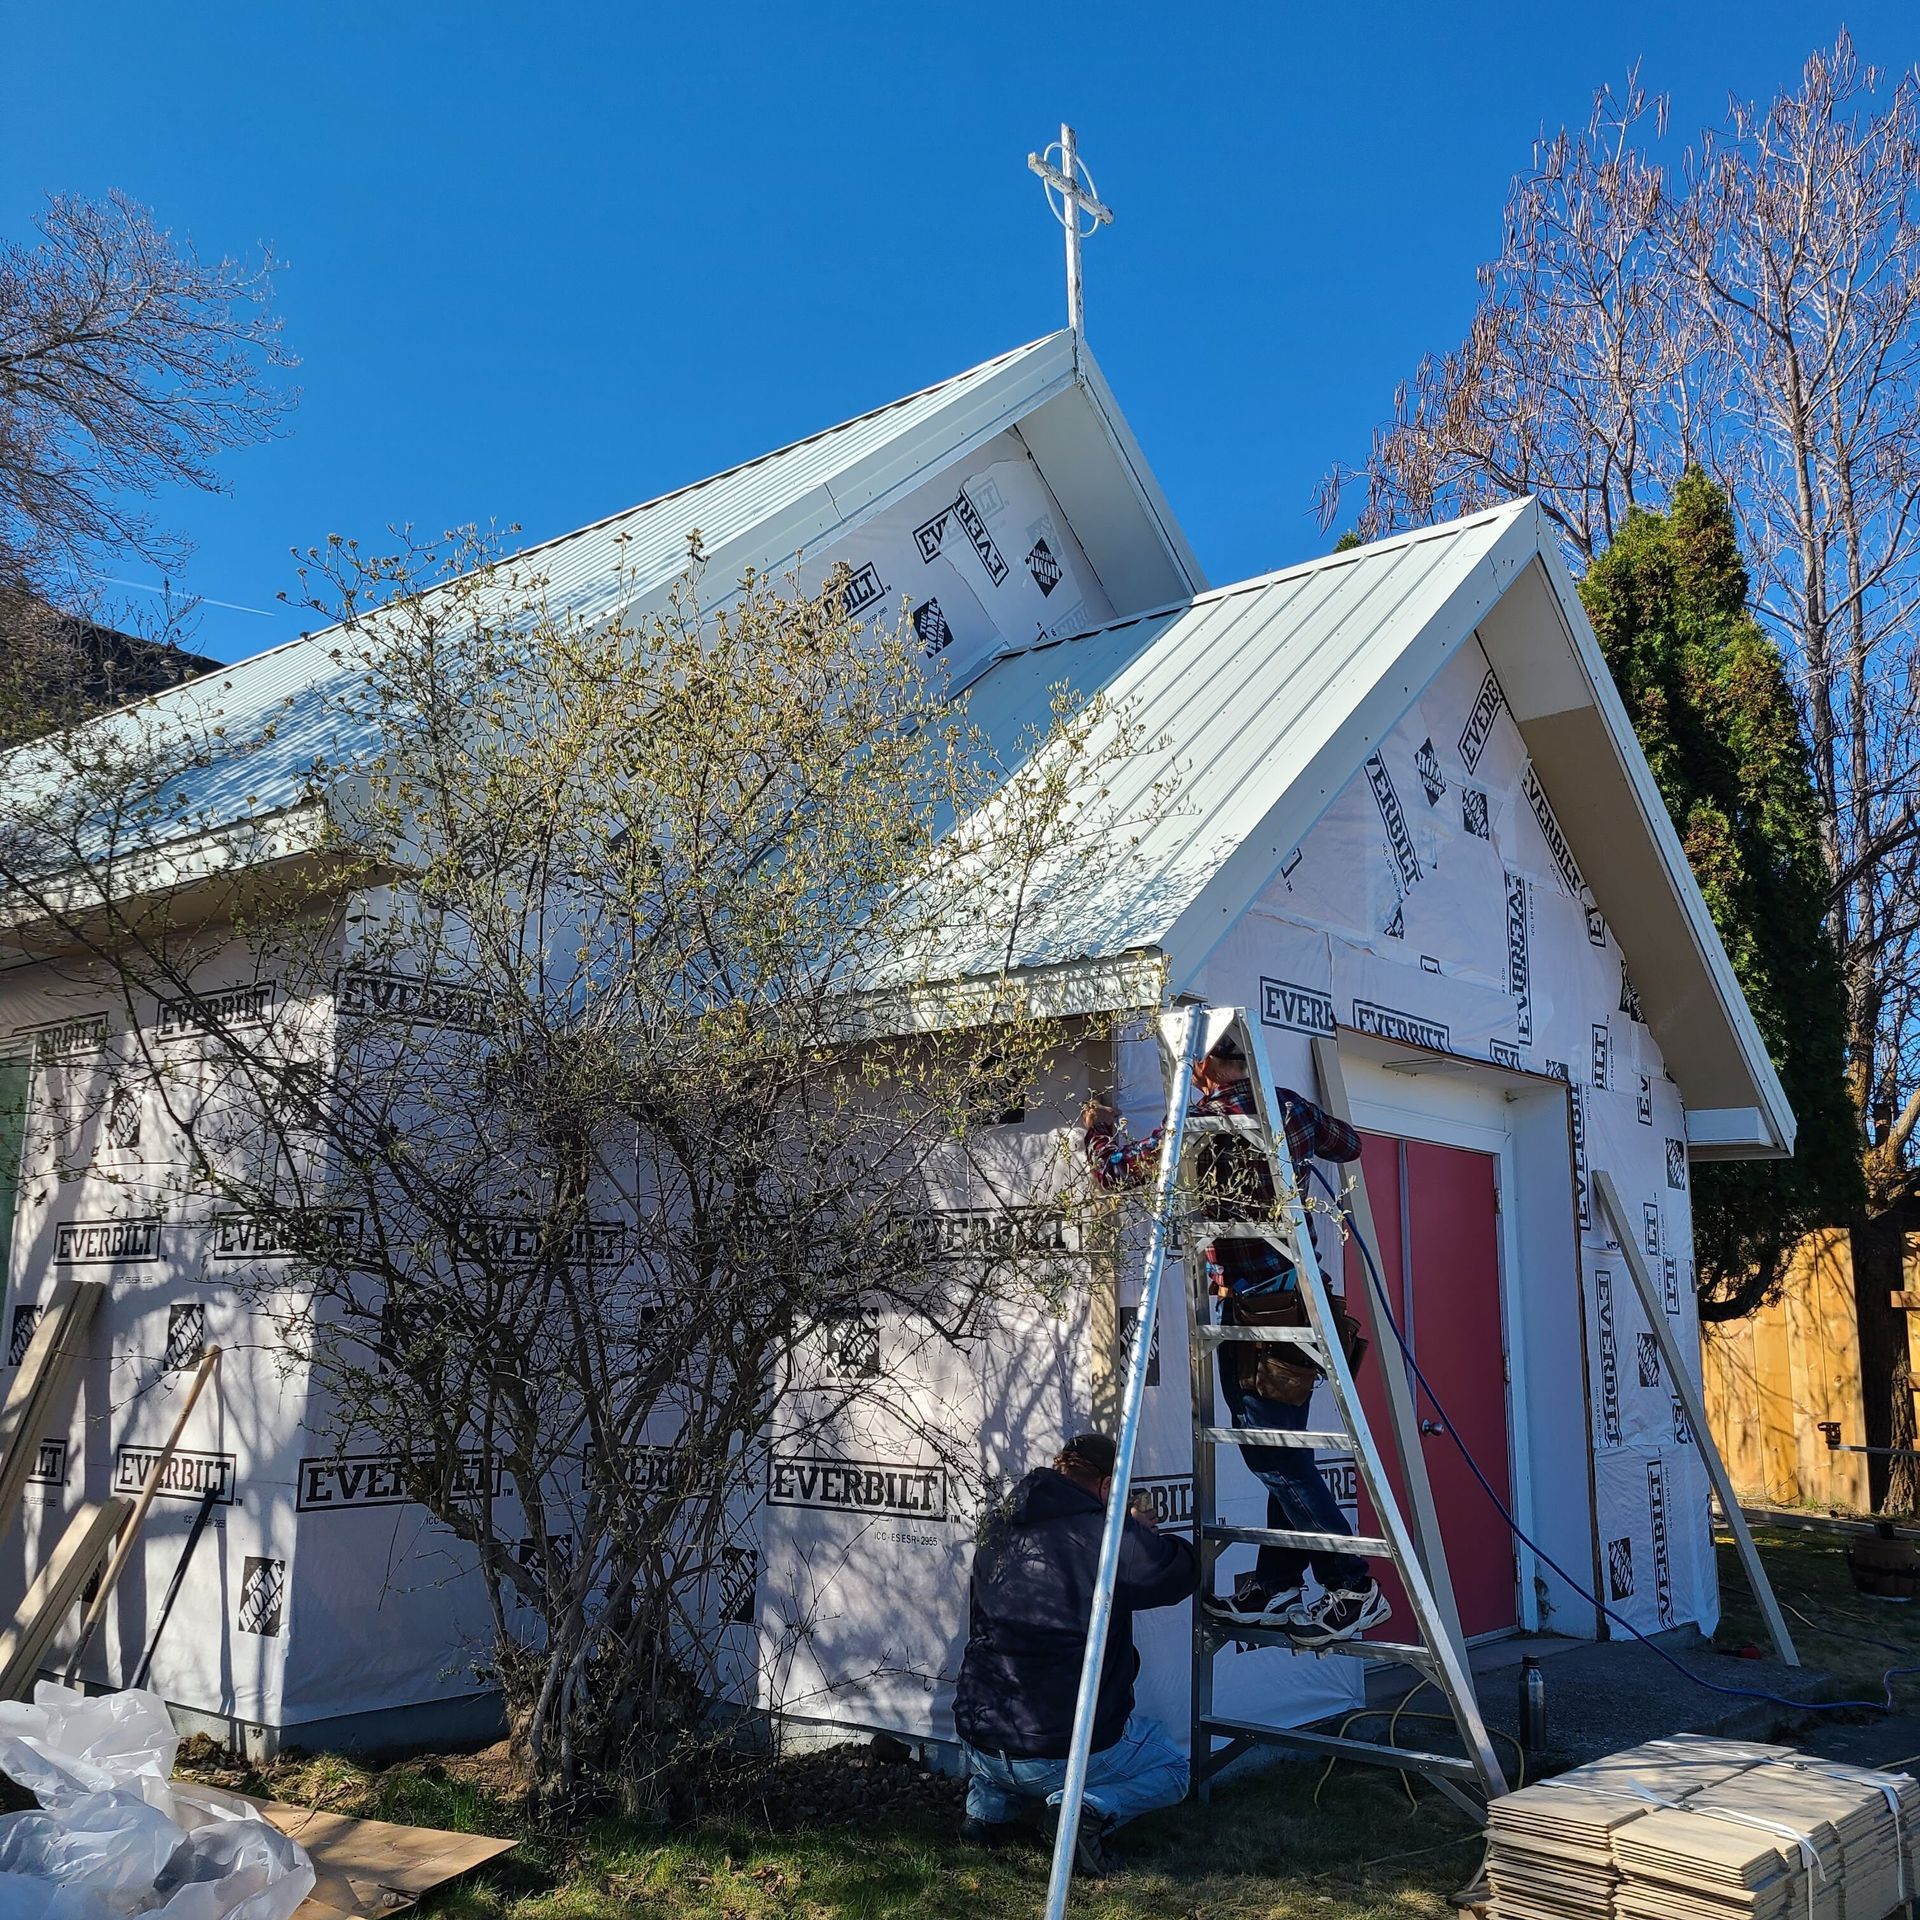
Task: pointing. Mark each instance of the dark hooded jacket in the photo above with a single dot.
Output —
(1029, 1603)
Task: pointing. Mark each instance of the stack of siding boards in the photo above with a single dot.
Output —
(1706, 1829)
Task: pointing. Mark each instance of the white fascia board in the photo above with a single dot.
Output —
(1778, 1112)
(1122, 983)
(1133, 460)
(241, 846)
(1239, 879)
(1729, 1133)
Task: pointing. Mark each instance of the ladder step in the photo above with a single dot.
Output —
(1271, 1231)
(1274, 1437)
(1365, 1545)
(1302, 1337)
(1449, 1764)
(1387, 1652)
(1241, 1123)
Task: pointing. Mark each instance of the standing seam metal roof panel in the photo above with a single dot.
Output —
(290, 710)
(1234, 694)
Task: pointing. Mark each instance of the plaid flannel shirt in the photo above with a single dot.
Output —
(1312, 1133)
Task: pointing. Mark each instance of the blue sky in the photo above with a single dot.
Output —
(548, 261)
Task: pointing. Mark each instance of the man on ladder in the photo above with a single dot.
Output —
(1263, 1386)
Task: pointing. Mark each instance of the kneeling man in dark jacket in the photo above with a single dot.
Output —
(1029, 1604)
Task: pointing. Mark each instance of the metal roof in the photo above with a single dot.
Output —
(1245, 699)
(1249, 708)
(268, 723)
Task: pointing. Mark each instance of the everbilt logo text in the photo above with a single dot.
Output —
(1172, 1497)
(253, 1236)
(1609, 1359)
(519, 1237)
(64, 1039)
(186, 1476)
(1519, 964)
(1479, 728)
(371, 994)
(97, 1243)
(250, 1006)
(1303, 1009)
(857, 1486)
(380, 1480)
(958, 1233)
(1389, 1023)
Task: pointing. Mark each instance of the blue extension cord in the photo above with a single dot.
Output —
(1519, 1533)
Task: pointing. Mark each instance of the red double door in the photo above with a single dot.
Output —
(1435, 1210)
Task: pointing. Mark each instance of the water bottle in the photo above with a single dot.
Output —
(1533, 1707)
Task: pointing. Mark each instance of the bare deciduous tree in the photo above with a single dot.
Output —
(1753, 308)
(1756, 312)
(127, 364)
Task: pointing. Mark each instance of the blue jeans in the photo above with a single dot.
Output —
(1142, 1770)
(1298, 1499)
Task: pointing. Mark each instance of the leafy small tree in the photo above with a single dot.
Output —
(619, 1085)
(1709, 697)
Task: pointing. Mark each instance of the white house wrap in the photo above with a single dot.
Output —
(1410, 815)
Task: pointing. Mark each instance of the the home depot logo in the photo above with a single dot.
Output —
(100, 1243)
(1285, 1003)
(381, 1480)
(183, 1476)
(857, 1486)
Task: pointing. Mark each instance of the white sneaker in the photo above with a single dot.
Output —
(1251, 1605)
(1340, 1614)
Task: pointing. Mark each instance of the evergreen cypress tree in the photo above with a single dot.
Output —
(1708, 695)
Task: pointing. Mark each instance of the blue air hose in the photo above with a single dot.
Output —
(1519, 1533)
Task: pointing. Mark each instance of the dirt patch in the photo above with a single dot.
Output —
(855, 1785)
(849, 1786)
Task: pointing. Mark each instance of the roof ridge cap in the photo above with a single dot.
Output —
(1507, 509)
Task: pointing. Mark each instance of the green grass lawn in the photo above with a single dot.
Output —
(1262, 1851)
(1834, 1627)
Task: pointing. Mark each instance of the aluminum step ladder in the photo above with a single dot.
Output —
(1438, 1654)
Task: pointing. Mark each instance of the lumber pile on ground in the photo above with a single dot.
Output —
(1694, 1828)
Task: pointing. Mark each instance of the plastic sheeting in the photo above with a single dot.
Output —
(116, 1834)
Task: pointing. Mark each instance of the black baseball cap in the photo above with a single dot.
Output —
(1093, 1450)
(1225, 1048)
